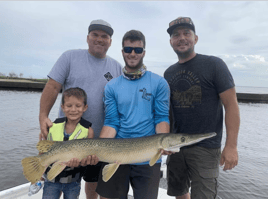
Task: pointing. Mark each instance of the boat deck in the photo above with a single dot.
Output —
(21, 192)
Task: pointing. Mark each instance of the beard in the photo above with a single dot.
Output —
(138, 66)
(98, 53)
(184, 54)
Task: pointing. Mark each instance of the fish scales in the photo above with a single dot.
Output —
(113, 151)
(125, 151)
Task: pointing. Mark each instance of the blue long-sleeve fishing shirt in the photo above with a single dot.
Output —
(134, 107)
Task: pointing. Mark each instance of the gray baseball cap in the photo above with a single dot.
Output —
(100, 24)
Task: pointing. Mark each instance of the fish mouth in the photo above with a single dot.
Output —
(199, 139)
(175, 147)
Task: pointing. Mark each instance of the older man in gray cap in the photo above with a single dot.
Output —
(89, 69)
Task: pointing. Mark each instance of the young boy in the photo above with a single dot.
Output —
(73, 126)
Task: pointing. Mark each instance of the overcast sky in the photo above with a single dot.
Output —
(34, 34)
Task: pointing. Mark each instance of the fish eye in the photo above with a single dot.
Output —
(182, 139)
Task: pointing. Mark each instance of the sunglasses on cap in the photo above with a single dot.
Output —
(137, 50)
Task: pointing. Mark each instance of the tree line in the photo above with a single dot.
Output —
(11, 74)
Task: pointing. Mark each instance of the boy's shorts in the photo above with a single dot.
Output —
(52, 190)
(195, 167)
(144, 180)
(91, 172)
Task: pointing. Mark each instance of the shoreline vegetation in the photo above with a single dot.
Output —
(22, 84)
(23, 79)
(31, 84)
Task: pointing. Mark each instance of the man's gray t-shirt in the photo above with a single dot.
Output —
(78, 68)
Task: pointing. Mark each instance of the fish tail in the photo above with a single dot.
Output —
(32, 168)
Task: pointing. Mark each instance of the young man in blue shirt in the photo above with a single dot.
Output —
(136, 105)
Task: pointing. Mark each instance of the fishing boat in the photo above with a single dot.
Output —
(21, 191)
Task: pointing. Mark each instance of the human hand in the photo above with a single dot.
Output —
(89, 160)
(45, 124)
(229, 158)
(74, 162)
(163, 152)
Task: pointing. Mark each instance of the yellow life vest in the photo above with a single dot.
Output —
(56, 132)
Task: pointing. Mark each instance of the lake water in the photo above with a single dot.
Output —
(20, 128)
(248, 89)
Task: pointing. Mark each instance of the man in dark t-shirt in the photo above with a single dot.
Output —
(199, 85)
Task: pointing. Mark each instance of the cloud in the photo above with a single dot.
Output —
(248, 70)
(35, 33)
(240, 39)
(253, 63)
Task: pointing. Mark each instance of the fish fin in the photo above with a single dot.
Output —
(55, 170)
(155, 158)
(32, 168)
(44, 145)
(109, 170)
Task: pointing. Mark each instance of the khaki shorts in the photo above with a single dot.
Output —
(195, 167)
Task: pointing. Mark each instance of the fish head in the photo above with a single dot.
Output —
(173, 142)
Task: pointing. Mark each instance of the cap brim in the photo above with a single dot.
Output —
(170, 29)
(104, 28)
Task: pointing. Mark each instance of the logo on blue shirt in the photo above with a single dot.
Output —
(145, 95)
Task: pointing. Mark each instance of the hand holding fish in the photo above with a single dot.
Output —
(163, 152)
(74, 162)
(89, 160)
(45, 124)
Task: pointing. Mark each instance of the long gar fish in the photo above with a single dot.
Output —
(113, 151)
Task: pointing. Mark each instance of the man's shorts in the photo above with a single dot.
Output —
(195, 167)
(91, 173)
(144, 180)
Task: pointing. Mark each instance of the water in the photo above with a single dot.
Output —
(20, 129)
(19, 132)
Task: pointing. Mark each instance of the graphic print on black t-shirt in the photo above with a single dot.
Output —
(186, 89)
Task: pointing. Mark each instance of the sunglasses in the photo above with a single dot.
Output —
(137, 50)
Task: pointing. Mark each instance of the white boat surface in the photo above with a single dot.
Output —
(21, 191)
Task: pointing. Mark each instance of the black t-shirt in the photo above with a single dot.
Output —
(195, 87)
